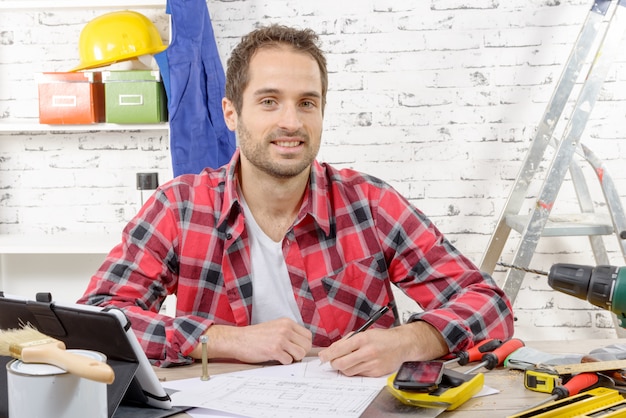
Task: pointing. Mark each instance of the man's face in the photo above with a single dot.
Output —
(280, 125)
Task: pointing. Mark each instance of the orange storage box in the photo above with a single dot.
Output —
(75, 98)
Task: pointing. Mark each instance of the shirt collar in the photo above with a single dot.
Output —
(314, 204)
(317, 203)
(231, 196)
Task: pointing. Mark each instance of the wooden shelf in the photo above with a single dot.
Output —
(58, 244)
(43, 5)
(32, 125)
(97, 244)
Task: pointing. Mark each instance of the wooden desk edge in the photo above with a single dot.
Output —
(512, 396)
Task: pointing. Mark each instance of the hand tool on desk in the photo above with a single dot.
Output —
(456, 388)
(204, 340)
(541, 380)
(31, 346)
(594, 366)
(578, 383)
(453, 391)
(599, 402)
(475, 353)
(613, 370)
(544, 378)
(496, 357)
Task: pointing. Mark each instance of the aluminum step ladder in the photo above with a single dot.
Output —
(600, 37)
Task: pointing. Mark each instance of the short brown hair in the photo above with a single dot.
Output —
(303, 40)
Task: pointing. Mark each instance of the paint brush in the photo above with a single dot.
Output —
(31, 346)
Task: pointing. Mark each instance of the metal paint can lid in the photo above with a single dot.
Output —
(43, 369)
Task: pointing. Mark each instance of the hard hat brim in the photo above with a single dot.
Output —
(105, 62)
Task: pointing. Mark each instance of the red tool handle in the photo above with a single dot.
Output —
(581, 381)
(476, 353)
(496, 357)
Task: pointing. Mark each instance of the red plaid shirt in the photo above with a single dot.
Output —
(354, 235)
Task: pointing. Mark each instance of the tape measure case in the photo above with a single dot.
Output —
(455, 389)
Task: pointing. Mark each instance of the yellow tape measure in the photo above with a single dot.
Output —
(540, 380)
(444, 397)
(546, 378)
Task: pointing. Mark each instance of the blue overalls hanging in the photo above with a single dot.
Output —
(194, 80)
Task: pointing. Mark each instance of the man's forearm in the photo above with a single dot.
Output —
(428, 341)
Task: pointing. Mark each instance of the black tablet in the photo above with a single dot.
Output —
(90, 328)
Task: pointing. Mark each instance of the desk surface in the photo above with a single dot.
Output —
(512, 398)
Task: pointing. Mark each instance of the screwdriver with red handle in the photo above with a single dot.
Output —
(475, 353)
(577, 383)
(496, 357)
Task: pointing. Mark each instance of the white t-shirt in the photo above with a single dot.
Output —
(272, 294)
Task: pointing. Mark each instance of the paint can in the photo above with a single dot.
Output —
(38, 390)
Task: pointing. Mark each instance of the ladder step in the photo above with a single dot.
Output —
(566, 225)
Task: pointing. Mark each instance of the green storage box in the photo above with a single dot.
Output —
(136, 96)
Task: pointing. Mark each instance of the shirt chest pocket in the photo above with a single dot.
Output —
(357, 283)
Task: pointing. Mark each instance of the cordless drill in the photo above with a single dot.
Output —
(602, 286)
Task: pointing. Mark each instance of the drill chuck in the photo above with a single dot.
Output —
(602, 286)
(572, 279)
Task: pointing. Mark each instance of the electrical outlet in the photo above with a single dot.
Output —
(147, 181)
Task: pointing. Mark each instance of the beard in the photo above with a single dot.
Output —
(259, 155)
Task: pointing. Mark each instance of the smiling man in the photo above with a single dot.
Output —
(276, 253)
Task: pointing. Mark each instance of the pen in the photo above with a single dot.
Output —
(371, 320)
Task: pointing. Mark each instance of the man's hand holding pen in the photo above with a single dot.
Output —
(378, 352)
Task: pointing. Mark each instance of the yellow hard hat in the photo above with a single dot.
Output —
(117, 36)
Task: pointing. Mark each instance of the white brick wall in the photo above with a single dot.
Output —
(440, 98)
